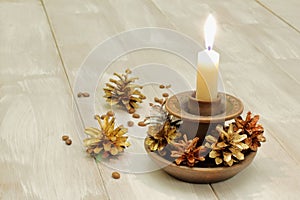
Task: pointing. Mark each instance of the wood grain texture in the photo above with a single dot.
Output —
(250, 45)
(287, 11)
(36, 110)
(131, 186)
(116, 13)
(259, 64)
(247, 47)
(88, 24)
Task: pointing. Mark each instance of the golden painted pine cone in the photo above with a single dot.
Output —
(122, 91)
(108, 140)
(228, 148)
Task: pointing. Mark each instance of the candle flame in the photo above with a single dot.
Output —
(210, 28)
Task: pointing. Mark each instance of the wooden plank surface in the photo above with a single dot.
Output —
(235, 43)
(287, 11)
(259, 64)
(249, 66)
(36, 110)
(132, 186)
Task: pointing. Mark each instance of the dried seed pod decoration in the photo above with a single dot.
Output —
(162, 128)
(187, 152)
(228, 148)
(160, 135)
(108, 140)
(253, 130)
(122, 91)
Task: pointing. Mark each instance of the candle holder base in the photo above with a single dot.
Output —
(198, 119)
(201, 175)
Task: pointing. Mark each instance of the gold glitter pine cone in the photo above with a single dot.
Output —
(108, 140)
(123, 92)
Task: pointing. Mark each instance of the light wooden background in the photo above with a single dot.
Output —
(44, 42)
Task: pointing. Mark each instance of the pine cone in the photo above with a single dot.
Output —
(160, 135)
(159, 115)
(107, 140)
(187, 152)
(123, 91)
(228, 147)
(163, 127)
(253, 130)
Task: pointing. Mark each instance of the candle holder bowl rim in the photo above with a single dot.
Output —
(177, 105)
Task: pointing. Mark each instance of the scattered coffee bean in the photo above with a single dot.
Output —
(68, 142)
(161, 101)
(110, 113)
(131, 110)
(135, 115)
(130, 123)
(79, 94)
(165, 94)
(116, 175)
(161, 86)
(64, 137)
(156, 99)
(85, 94)
(142, 124)
(150, 104)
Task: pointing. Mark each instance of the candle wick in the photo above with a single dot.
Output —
(209, 48)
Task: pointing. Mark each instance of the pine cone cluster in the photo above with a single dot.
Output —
(225, 145)
(123, 92)
(253, 130)
(108, 140)
(187, 152)
(229, 147)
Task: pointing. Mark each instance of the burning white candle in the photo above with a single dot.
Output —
(208, 64)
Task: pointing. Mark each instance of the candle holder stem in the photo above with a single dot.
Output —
(201, 117)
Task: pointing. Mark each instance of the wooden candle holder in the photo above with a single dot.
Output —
(199, 118)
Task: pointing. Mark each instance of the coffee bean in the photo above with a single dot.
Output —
(85, 94)
(131, 110)
(110, 113)
(79, 95)
(165, 94)
(135, 115)
(156, 99)
(142, 124)
(64, 137)
(68, 142)
(116, 175)
(161, 86)
(130, 123)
